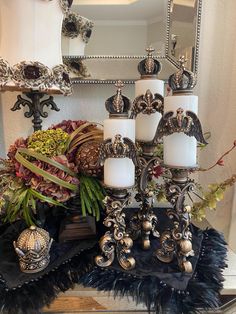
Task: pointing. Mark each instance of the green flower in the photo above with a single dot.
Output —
(49, 143)
(211, 197)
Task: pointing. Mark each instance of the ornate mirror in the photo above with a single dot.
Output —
(103, 41)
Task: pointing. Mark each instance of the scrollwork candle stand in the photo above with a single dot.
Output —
(144, 222)
(177, 241)
(116, 241)
(182, 127)
(147, 109)
(118, 155)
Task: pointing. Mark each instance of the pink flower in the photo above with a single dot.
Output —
(220, 162)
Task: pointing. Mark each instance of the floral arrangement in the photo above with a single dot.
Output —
(51, 167)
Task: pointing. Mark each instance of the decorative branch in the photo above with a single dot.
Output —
(220, 161)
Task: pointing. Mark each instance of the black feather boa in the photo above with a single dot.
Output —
(202, 291)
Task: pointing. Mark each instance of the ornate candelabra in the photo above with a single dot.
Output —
(179, 129)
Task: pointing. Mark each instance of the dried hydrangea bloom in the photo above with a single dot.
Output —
(46, 187)
(49, 143)
(68, 126)
(19, 143)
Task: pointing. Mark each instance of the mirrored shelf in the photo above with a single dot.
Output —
(109, 69)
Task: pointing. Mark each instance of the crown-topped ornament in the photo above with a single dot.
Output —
(149, 67)
(118, 105)
(183, 81)
(180, 122)
(32, 247)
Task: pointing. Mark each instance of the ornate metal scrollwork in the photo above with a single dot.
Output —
(147, 104)
(116, 242)
(144, 222)
(35, 107)
(177, 241)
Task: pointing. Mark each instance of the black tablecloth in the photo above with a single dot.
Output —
(152, 282)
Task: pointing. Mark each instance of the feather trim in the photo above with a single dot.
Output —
(32, 296)
(202, 291)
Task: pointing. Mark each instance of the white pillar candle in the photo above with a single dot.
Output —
(119, 172)
(180, 150)
(154, 85)
(124, 127)
(146, 124)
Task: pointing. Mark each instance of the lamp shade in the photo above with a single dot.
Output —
(30, 45)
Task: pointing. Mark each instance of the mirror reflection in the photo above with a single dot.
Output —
(109, 37)
(183, 22)
(126, 28)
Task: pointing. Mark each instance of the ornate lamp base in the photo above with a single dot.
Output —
(116, 242)
(178, 241)
(35, 106)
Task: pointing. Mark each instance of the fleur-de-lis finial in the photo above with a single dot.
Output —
(150, 51)
(149, 64)
(119, 85)
(182, 61)
(118, 102)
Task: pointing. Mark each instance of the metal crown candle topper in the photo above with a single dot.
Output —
(176, 242)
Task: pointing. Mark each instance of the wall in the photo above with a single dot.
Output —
(156, 36)
(217, 97)
(87, 102)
